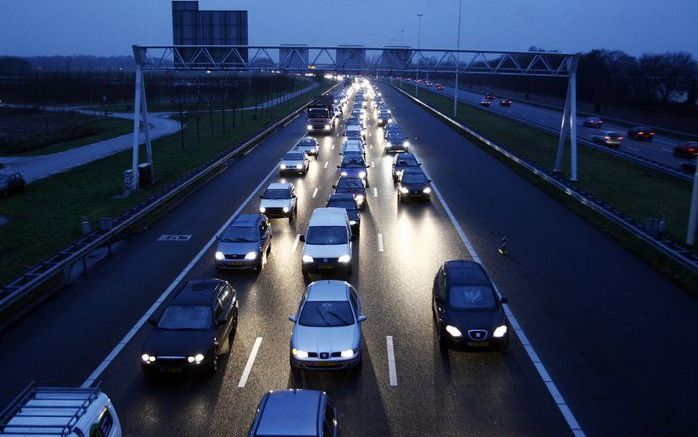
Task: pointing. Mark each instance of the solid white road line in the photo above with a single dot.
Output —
(250, 362)
(633, 148)
(315, 193)
(129, 335)
(326, 162)
(538, 364)
(295, 243)
(375, 192)
(666, 149)
(380, 242)
(371, 146)
(392, 373)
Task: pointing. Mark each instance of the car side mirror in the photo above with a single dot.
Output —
(368, 166)
(503, 300)
(292, 319)
(334, 186)
(153, 321)
(339, 166)
(362, 318)
(428, 180)
(302, 238)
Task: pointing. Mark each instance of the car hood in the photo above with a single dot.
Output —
(325, 339)
(288, 162)
(237, 248)
(414, 187)
(464, 320)
(353, 191)
(163, 342)
(275, 203)
(327, 250)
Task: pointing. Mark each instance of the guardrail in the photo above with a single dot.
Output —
(54, 272)
(673, 250)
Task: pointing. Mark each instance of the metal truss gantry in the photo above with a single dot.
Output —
(353, 59)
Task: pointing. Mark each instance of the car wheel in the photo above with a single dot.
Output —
(261, 262)
(213, 365)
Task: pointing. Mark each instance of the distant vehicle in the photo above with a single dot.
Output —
(327, 328)
(321, 115)
(347, 201)
(485, 103)
(354, 166)
(294, 162)
(439, 87)
(354, 186)
(384, 117)
(309, 145)
(641, 133)
(396, 141)
(193, 330)
(467, 311)
(490, 96)
(594, 122)
(295, 412)
(391, 128)
(245, 244)
(65, 411)
(327, 244)
(413, 184)
(688, 149)
(11, 184)
(354, 131)
(354, 146)
(505, 102)
(402, 162)
(608, 138)
(279, 200)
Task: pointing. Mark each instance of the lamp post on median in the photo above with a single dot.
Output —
(455, 91)
(419, 44)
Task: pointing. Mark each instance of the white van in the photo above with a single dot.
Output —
(60, 411)
(327, 247)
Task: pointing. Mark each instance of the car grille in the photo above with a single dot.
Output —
(327, 260)
(171, 361)
(274, 210)
(234, 256)
(324, 355)
(477, 334)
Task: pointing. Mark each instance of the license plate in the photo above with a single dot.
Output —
(234, 263)
(323, 364)
(326, 266)
(478, 343)
(171, 369)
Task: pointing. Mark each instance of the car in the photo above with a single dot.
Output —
(353, 146)
(608, 138)
(687, 149)
(347, 201)
(401, 162)
(384, 117)
(641, 133)
(505, 102)
(309, 145)
(295, 412)
(594, 122)
(245, 243)
(490, 96)
(193, 329)
(11, 184)
(439, 87)
(396, 141)
(355, 132)
(485, 103)
(279, 200)
(294, 162)
(327, 244)
(353, 165)
(467, 311)
(327, 328)
(354, 186)
(391, 128)
(413, 184)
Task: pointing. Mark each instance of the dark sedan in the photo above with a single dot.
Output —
(413, 184)
(505, 102)
(689, 149)
(194, 329)
(485, 103)
(354, 186)
(10, 184)
(467, 311)
(401, 162)
(354, 166)
(641, 133)
(347, 201)
(594, 122)
(490, 96)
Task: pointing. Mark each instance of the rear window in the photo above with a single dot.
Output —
(470, 297)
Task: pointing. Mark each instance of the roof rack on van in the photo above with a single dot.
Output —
(47, 410)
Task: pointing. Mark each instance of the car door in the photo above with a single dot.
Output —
(263, 230)
(355, 304)
(226, 301)
(439, 296)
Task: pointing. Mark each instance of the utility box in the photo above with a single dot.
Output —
(128, 181)
(145, 175)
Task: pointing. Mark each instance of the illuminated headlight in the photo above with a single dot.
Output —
(299, 166)
(427, 190)
(251, 256)
(343, 173)
(283, 166)
(388, 145)
(399, 172)
(453, 331)
(310, 127)
(500, 331)
(360, 199)
(197, 359)
(348, 353)
(327, 127)
(262, 209)
(352, 222)
(380, 120)
(390, 120)
(344, 259)
(299, 353)
(317, 149)
(403, 190)
(405, 143)
(220, 256)
(148, 358)
(285, 209)
(307, 259)
(362, 174)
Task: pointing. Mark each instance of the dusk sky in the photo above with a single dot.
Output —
(110, 27)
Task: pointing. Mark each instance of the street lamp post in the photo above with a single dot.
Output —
(455, 91)
(419, 43)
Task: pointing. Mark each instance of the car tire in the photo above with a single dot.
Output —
(212, 367)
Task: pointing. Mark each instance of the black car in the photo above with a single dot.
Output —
(490, 96)
(347, 201)
(505, 102)
(401, 162)
(11, 183)
(594, 122)
(391, 128)
(353, 165)
(688, 149)
(467, 311)
(413, 184)
(354, 186)
(641, 133)
(396, 141)
(195, 327)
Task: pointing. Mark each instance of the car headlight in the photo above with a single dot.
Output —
(285, 209)
(427, 190)
(251, 256)
(307, 259)
(310, 127)
(362, 174)
(299, 353)
(219, 255)
(352, 222)
(262, 209)
(388, 145)
(360, 198)
(197, 359)
(348, 353)
(147, 358)
(299, 166)
(500, 331)
(343, 173)
(327, 127)
(403, 190)
(455, 332)
(344, 258)
(283, 166)
(405, 143)
(380, 120)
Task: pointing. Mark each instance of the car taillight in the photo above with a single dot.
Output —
(652, 133)
(620, 138)
(606, 138)
(691, 150)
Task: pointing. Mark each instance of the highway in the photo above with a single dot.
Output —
(616, 339)
(660, 149)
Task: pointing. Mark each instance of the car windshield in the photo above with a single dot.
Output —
(306, 143)
(350, 184)
(613, 134)
(293, 157)
(397, 136)
(346, 204)
(406, 162)
(352, 161)
(327, 235)
(326, 314)
(240, 234)
(471, 297)
(277, 194)
(414, 178)
(317, 113)
(185, 317)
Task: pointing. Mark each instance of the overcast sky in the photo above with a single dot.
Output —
(110, 27)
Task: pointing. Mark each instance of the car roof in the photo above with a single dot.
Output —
(463, 272)
(413, 170)
(290, 412)
(246, 220)
(328, 216)
(348, 178)
(341, 196)
(279, 186)
(405, 155)
(198, 292)
(327, 290)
